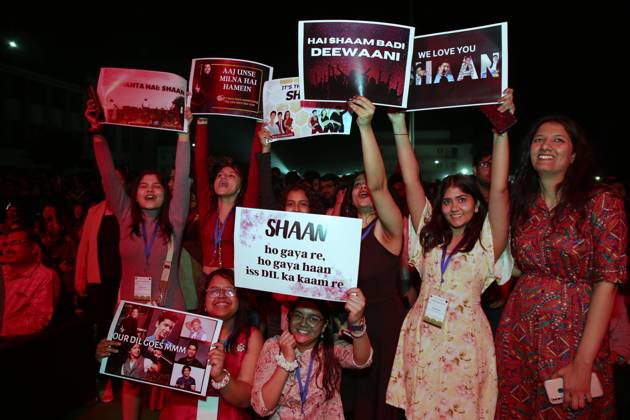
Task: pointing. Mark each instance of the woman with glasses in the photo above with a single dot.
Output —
(233, 357)
(298, 374)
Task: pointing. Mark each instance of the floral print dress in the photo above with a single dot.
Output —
(449, 372)
(561, 259)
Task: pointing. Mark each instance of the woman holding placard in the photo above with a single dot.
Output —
(151, 228)
(298, 373)
(233, 358)
(379, 269)
(445, 361)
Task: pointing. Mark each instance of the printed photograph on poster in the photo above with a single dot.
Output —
(225, 86)
(299, 254)
(286, 117)
(156, 347)
(339, 59)
(142, 98)
(467, 67)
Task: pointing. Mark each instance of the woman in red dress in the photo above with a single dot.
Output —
(569, 240)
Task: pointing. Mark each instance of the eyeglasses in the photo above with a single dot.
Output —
(485, 163)
(217, 291)
(311, 320)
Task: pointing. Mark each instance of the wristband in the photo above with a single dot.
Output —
(284, 364)
(223, 383)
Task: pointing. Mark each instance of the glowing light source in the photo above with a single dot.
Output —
(464, 171)
(13, 44)
(597, 178)
(437, 162)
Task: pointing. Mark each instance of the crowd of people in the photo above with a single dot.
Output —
(472, 293)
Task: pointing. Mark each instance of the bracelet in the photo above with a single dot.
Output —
(358, 326)
(223, 383)
(401, 134)
(359, 329)
(284, 364)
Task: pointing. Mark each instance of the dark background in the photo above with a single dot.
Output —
(563, 60)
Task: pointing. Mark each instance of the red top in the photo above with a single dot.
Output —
(208, 213)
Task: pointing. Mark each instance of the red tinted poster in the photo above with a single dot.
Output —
(142, 98)
(225, 86)
(459, 68)
(340, 59)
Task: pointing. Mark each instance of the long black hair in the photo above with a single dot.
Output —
(328, 366)
(241, 321)
(214, 172)
(314, 202)
(137, 215)
(438, 232)
(577, 183)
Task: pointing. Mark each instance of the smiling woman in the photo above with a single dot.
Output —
(570, 241)
(309, 349)
(151, 229)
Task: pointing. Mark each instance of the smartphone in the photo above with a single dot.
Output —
(555, 391)
(94, 96)
(501, 121)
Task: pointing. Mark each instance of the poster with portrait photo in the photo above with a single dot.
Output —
(226, 86)
(142, 98)
(287, 118)
(150, 352)
(468, 67)
(339, 59)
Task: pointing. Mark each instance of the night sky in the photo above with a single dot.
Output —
(562, 61)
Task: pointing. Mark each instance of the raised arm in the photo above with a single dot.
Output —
(384, 204)
(499, 200)
(180, 201)
(202, 178)
(416, 198)
(251, 195)
(112, 185)
(238, 391)
(266, 197)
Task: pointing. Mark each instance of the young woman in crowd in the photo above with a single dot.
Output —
(569, 238)
(151, 228)
(379, 273)
(217, 201)
(445, 361)
(233, 358)
(298, 373)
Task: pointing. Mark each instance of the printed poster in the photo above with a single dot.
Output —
(339, 59)
(142, 98)
(225, 86)
(299, 254)
(162, 347)
(467, 67)
(287, 118)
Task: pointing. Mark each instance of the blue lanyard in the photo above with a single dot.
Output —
(218, 233)
(148, 247)
(445, 260)
(304, 390)
(368, 229)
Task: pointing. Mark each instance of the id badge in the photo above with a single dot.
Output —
(142, 288)
(208, 409)
(435, 312)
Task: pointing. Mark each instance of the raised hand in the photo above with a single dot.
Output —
(216, 359)
(364, 109)
(355, 305)
(287, 345)
(92, 113)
